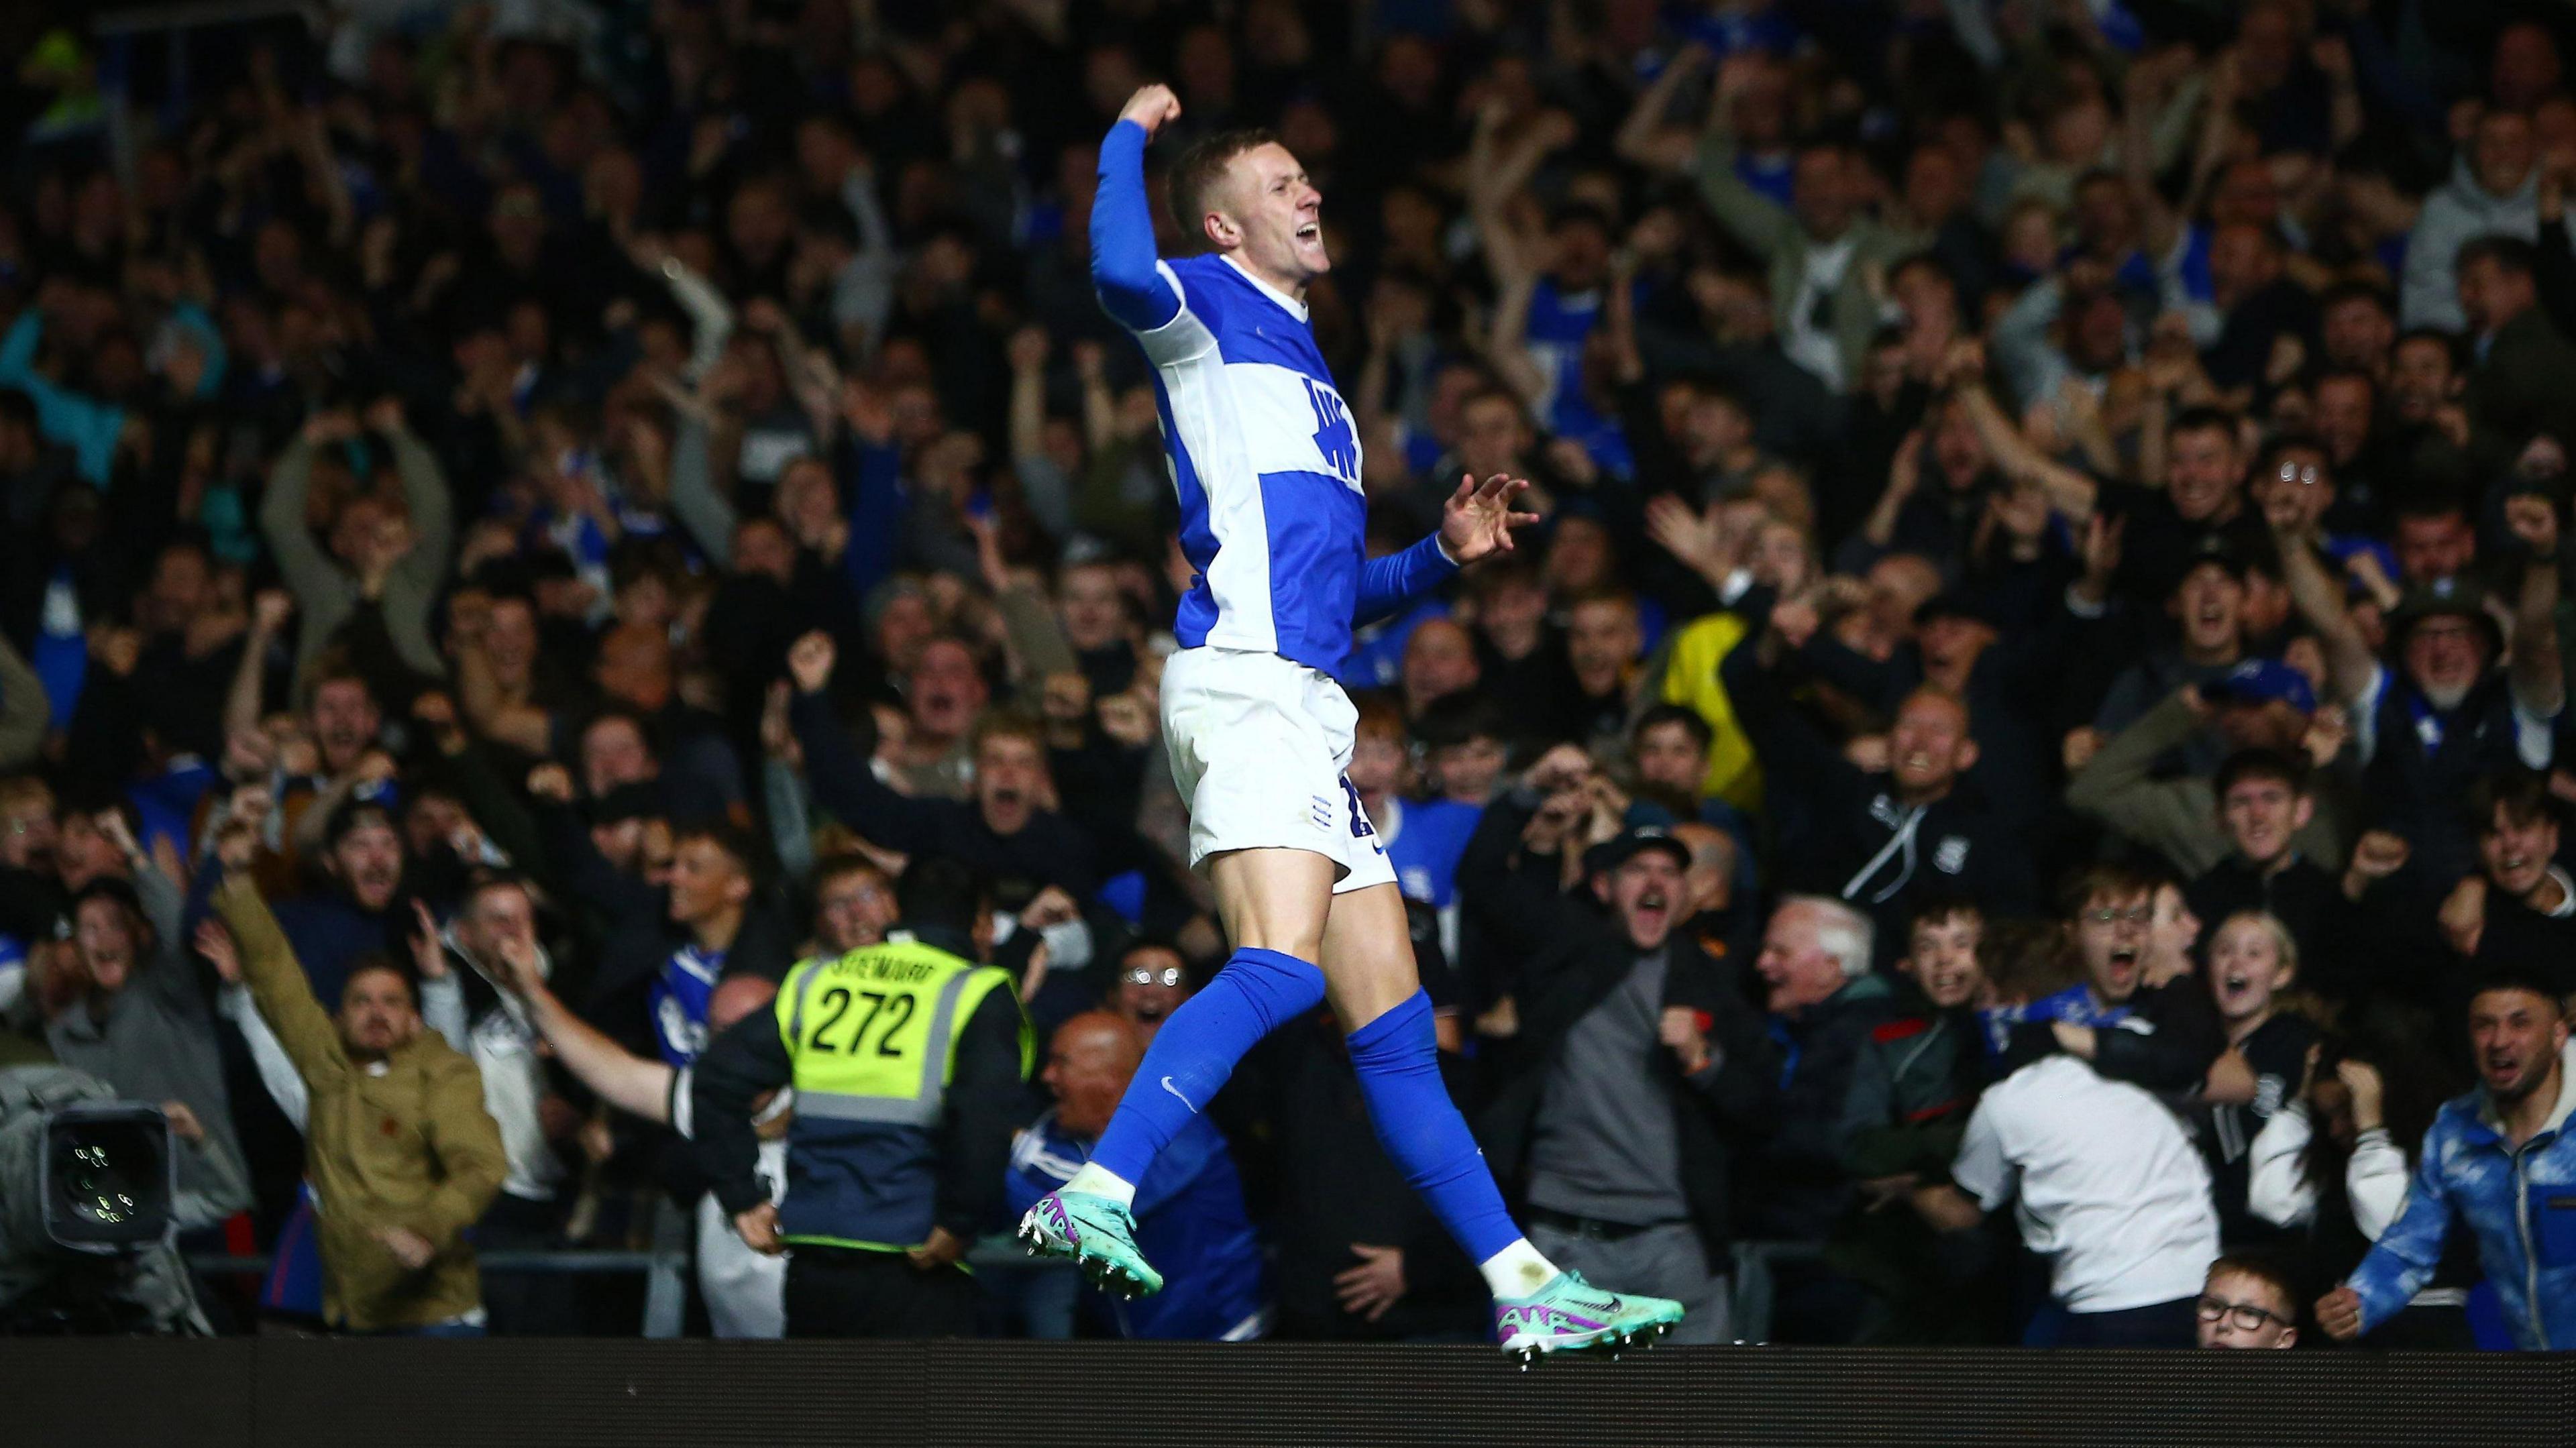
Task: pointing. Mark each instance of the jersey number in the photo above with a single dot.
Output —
(838, 1000)
(1360, 827)
(1334, 436)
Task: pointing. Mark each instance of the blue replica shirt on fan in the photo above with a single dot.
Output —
(679, 997)
(1263, 451)
(2073, 1005)
(1190, 1222)
(1376, 659)
(1424, 840)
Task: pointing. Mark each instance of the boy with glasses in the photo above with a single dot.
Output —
(2248, 1303)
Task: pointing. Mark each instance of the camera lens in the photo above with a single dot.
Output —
(107, 1178)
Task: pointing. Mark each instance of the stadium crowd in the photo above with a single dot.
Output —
(2039, 684)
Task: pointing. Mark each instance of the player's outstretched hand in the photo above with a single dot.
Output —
(1151, 106)
(1478, 519)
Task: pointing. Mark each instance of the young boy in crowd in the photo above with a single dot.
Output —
(1911, 1091)
(2248, 1302)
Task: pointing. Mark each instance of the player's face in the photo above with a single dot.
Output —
(1279, 212)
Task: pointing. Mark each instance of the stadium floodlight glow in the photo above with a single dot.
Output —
(107, 1177)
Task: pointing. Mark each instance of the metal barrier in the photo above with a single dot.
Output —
(666, 1288)
(665, 1266)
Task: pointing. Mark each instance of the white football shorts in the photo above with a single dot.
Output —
(1258, 744)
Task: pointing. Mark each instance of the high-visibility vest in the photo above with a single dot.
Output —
(873, 1038)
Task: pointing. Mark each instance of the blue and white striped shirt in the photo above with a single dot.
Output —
(1264, 452)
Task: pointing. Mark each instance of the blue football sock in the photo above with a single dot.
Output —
(1399, 1069)
(1195, 1051)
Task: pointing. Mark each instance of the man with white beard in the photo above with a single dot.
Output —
(2445, 711)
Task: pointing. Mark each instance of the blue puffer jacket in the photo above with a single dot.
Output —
(2521, 1204)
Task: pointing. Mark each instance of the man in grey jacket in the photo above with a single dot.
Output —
(2261, 703)
(1828, 258)
(381, 555)
(2493, 191)
(143, 1026)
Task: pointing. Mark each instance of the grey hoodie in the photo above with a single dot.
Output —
(2457, 213)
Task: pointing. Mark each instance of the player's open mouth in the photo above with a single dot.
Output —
(1310, 231)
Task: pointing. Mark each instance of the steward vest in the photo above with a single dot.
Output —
(873, 1038)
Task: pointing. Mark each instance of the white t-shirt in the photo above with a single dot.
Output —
(2110, 1190)
(745, 1291)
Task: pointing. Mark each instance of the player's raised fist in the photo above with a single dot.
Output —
(1151, 107)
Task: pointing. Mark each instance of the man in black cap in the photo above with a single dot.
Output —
(2444, 713)
(1644, 1066)
(2207, 607)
